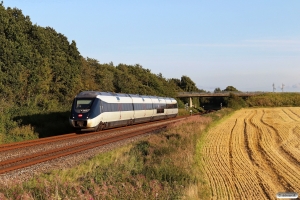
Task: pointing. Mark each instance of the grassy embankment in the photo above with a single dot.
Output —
(161, 166)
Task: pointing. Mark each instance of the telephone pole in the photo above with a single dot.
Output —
(282, 87)
(274, 88)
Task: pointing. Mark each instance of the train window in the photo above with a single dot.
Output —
(115, 107)
(84, 103)
(171, 105)
(142, 106)
(150, 106)
(160, 110)
(129, 106)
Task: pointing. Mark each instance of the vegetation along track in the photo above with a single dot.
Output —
(23, 154)
(254, 154)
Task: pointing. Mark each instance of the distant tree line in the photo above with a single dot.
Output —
(262, 100)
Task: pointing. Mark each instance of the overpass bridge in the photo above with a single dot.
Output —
(219, 94)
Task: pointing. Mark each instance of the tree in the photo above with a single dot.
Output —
(217, 90)
(235, 102)
(231, 89)
(188, 85)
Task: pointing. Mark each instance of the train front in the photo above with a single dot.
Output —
(85, 113)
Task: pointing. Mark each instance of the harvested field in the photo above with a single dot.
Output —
(254, 154)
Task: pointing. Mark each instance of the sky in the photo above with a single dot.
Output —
(250, 45)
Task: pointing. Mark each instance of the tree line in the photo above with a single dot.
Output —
(41, 72)
(38, 66)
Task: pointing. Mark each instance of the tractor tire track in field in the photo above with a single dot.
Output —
(252, 157)
(244, 156)
(289, 116)
(266, 146)
(231, 158)
(286, 154)
(296, 115)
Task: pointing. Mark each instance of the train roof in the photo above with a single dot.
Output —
(94, 94)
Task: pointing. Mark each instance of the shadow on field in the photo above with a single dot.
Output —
(46, 125)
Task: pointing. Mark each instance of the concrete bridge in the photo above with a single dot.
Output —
(219, 94)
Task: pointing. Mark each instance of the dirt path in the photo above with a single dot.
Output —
(253, 155)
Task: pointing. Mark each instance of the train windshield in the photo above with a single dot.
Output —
(83, 103)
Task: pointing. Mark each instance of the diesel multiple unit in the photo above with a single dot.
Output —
(93, 110)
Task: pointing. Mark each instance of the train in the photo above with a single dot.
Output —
(95, 111)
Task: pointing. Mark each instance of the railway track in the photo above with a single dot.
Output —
(73, 143)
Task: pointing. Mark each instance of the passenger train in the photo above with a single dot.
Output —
(94, 111)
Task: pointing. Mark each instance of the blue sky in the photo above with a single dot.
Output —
(247, 44)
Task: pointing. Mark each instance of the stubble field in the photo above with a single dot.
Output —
(254, 154)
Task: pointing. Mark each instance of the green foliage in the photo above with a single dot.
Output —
(188, 85)
(274, 100)
(235, 102)
(263, 100)
(35, 60)
(217, 90)
(180, 103)
(230, 89)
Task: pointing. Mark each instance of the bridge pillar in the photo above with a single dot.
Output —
(191, 102)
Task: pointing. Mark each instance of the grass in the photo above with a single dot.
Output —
(161, 166)
(183, 112)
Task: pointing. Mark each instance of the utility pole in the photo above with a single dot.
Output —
(274, 88)
(282, 87)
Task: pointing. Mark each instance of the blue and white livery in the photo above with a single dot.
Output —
(92, 110)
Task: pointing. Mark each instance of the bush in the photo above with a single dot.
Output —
(235, 102)
(274, 100)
